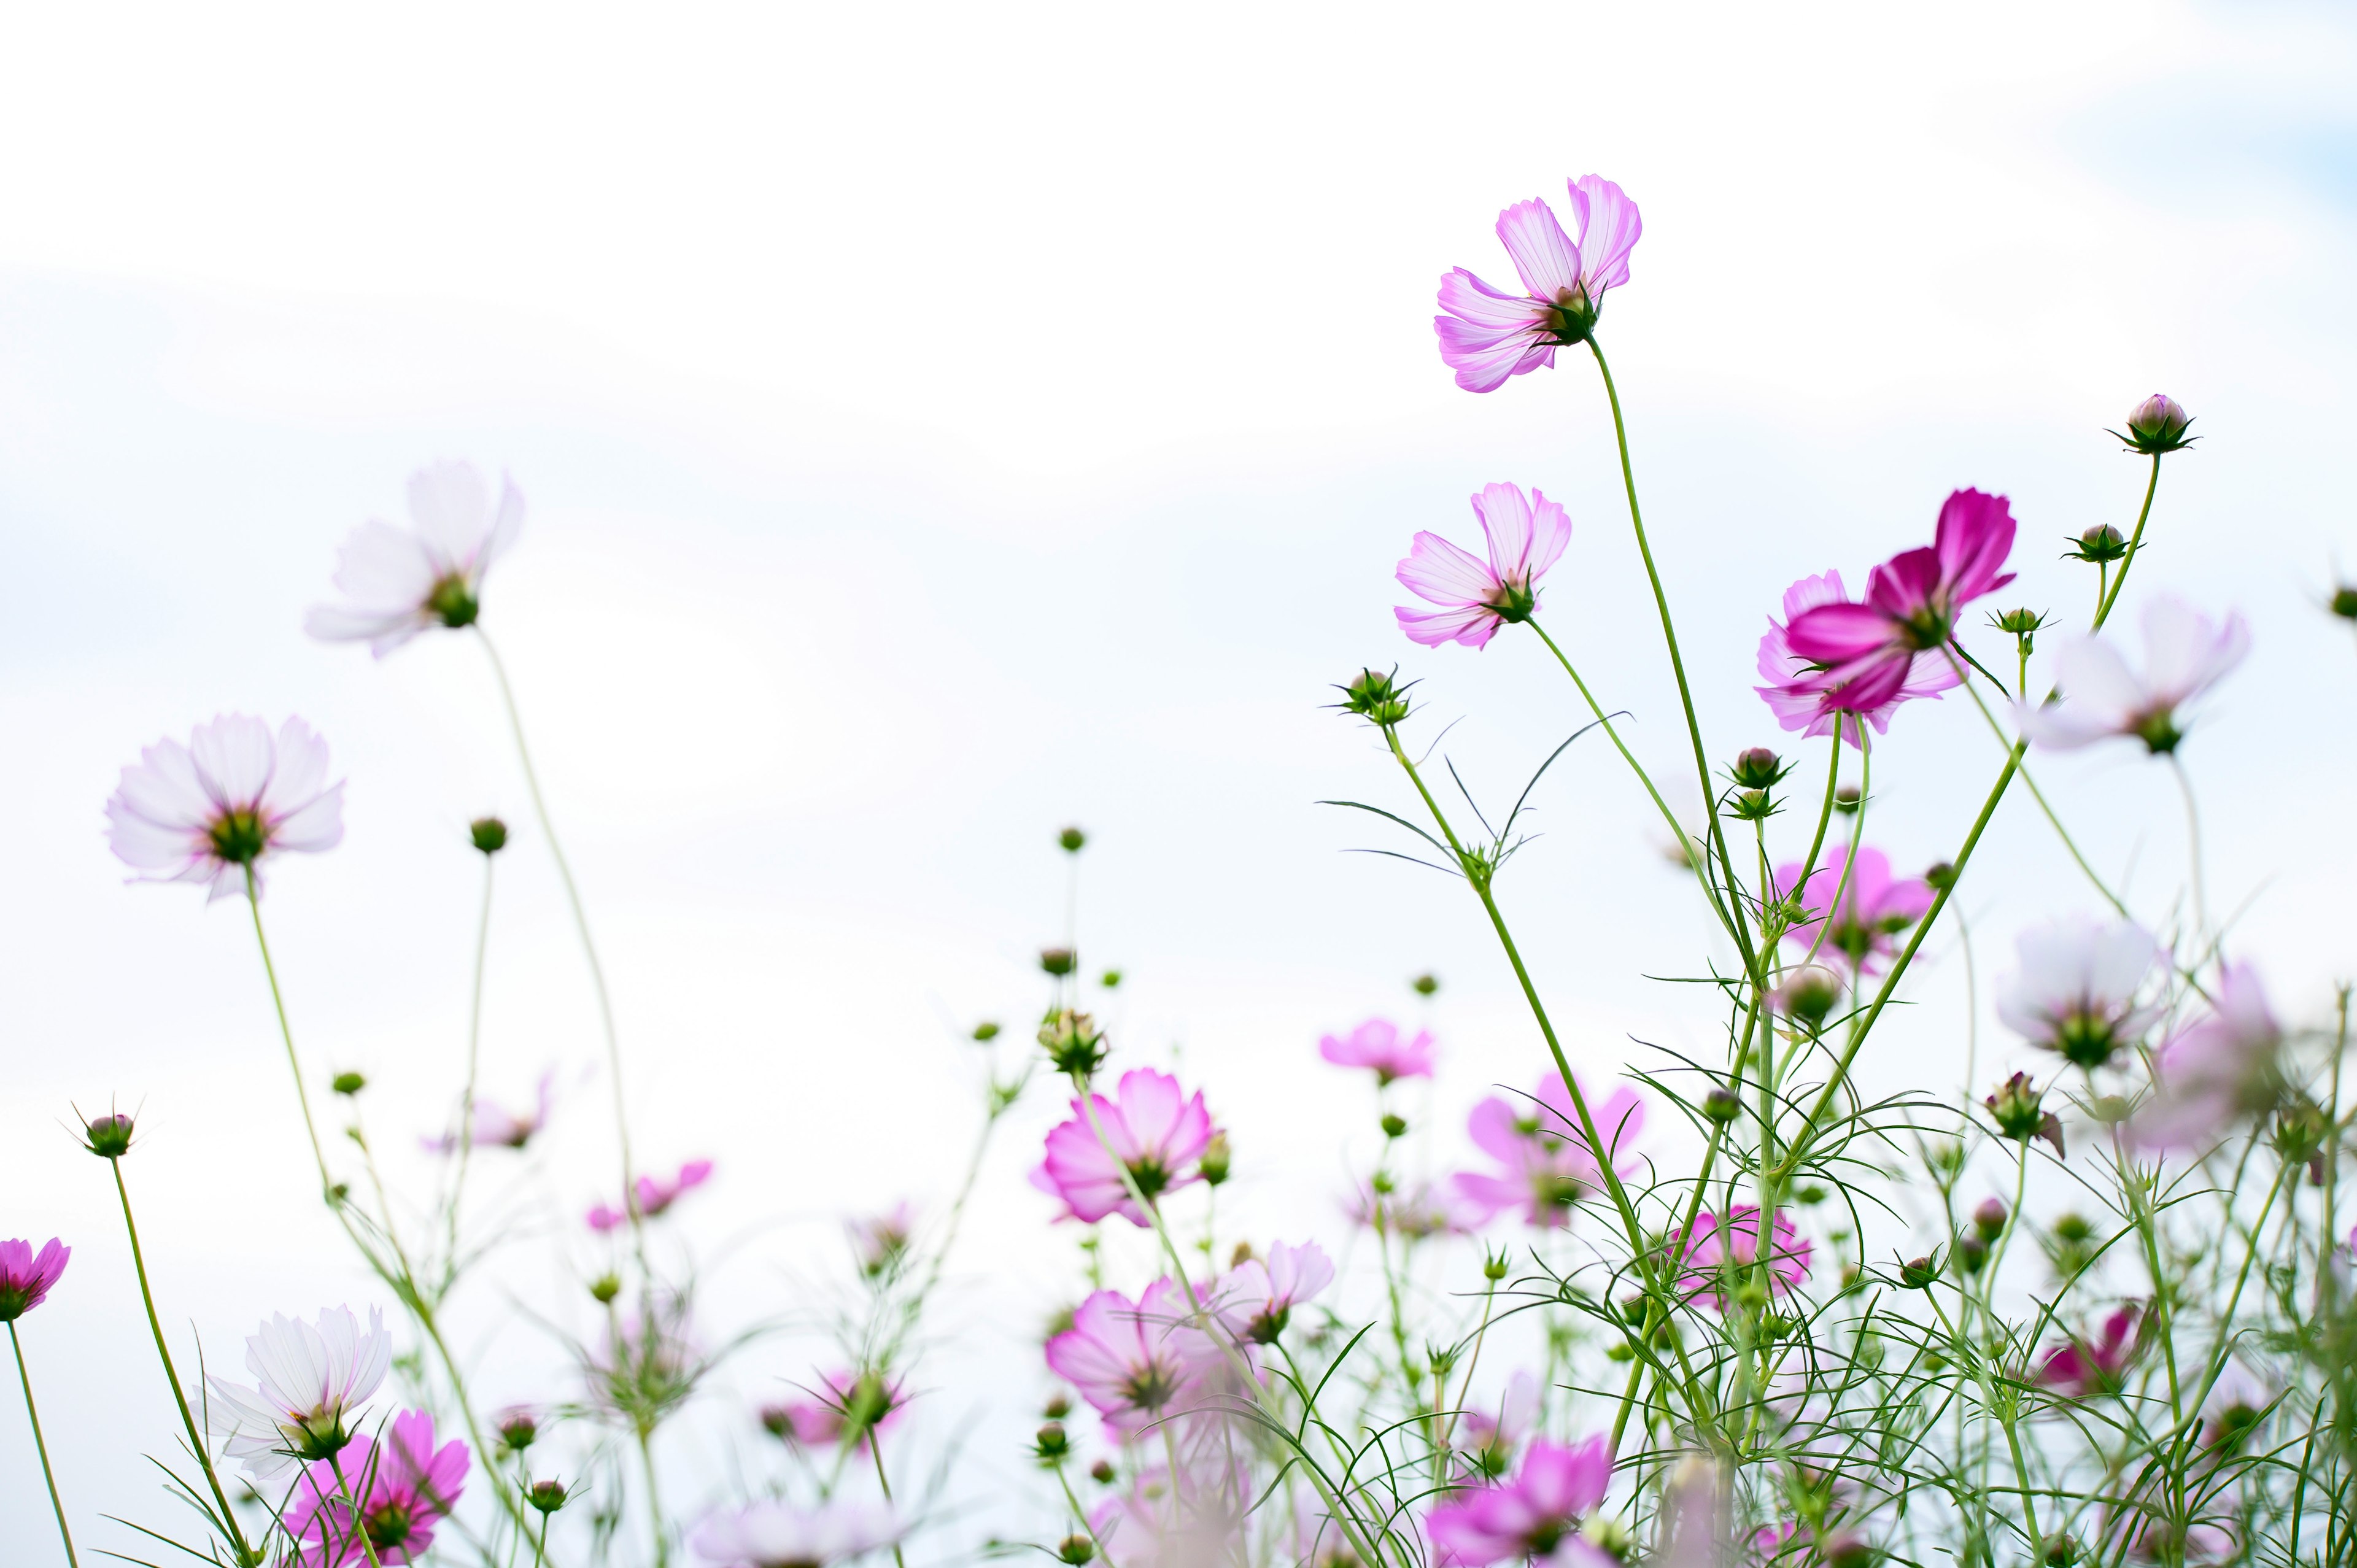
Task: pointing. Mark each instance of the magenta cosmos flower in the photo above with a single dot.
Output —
(1489, 1434)
(1526, 534)
(1536, 1515)
(1810, 698)
(1487, 336)
(1717, 1259)
(1546, 1163)
(772, 1534)
(2185, 654)
(1150, 1131)
(1864, 653)
(216, 810)
(2083, 1369)
(1873, 906)
(26, 1276)
(655, 1194)
(1136, 1361)
(1255, 1299)
(1379, 1044)
(2214, 1071)
(843, 1403)
(2075, 993)
(404, 1486)
(399, 582)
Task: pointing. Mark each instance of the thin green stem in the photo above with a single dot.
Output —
(2192, 846)
(654, 1496)
(359, 1522)
(39, 1445)
(1965, 680)
(286, 1036)
(2136, 542)
(474, 1060)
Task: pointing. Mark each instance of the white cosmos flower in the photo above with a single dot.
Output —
(2075, 992)
(2186, 653)
(399, 582)
(230, 799)
(778, 1535)
(309, 1381)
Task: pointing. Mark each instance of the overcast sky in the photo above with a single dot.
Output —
(940, 424)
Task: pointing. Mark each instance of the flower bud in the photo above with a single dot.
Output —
(1075, 1550)
(778, 1421)
(488, 835)
(1070, 840)
(1721, 1105)
(2016, 1109)
(1972, 1254)
(1850, 1276)
(2061, 1551)
(348, 1084)
(1213, 1163)
(1493, 1267)
(1073, 1043)
(2344, 602)
(546, 1496)
(1101, 1472)
(517, 1430)
(1810, 1196)
(2020, 622)
(1941, 875)
(1393, 1126)
(1752, 805)
(1758, 767)
(605, 1288)
(1845, 1549)
(1051, 1444)
(2072, 1229)
(108, 1136)
(1989, 1218)
(2099, 546)
(1376, 697)
(1057, 1408)
(1846, 800)
(1058, 962)
(2157, 426)
(986, 1031)
(1110, 980)
(1917, 1274)
(1427, 984)
(1809, 993)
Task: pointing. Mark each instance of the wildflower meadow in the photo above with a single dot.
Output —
(1764, 1293)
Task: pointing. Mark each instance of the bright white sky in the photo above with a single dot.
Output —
(942, 423)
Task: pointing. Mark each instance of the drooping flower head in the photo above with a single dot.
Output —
(1488, 335)
(310, 1379)
(1150, 1130)
(1136, 1361)
(1526, 535)
(1811, 697)
(1254, 1300)
(2214, 1071)
(655, 1193)
(2083, 1369)
(1381, 1045)
(1717, 1258)
(404, 1486)
(2186, 653)
(2075, 993)
(1873, 907)
(496, 1127)
(1547, 1164)
(1866, 652)
(878, 1240)
(216, 810)
(26, 1276)
(1535, 1517)
(399, 582)
(771, 1534)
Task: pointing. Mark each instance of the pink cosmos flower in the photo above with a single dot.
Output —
(1488, 335)
(1379, 1044)
(26, 1276)
(1526, 535)
(2186, 653)
(1255, 1299)
(845, 1404)
(878, 1241)
(2083, 1369)
(2215, 1071)
(1866, 653)
(1416, 1212)
(1136, 1361)
(1196, 1523)
(1153, 1132)
(2075, 993)
(1491, 1434)
(1548, 1165)
(1536, 1515)
(771, 1534)
(1719, 1257)
(397, 582)
(655, 1194)
(1808, 697)
(404, 1486)
(216, 810)
(496, 1127)
(1874, 906)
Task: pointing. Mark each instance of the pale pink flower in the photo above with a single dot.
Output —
(1416, 1212)
(2186, 653)
(1526, 535)
(216, 810)
(26, 1276)
(655, 1194)
(1807, 697)
(1548, 1165)
(2214, 1071)
(496, 1127)
(309, 1380)
(2083, 1369)
(1197, 1521)
(1255, 1299)
(1488, 335)
(1381, 1045)
(1874, 907)
(771, 1534)
(1490, 1433)
(1136, 1361)
(399, 582)
(845, 1404)
(1148, 1128)
(1720, 1256)
(878, 1241)
(404, 1486)
(1536, 1515)
(2076, 990)
(1864, 653)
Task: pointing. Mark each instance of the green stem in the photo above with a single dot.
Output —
(2135, 542)
(287, 1036)
(359, 1524)
(654, 1498)
(1965, 680)
(474, 1057)
(39, 1445)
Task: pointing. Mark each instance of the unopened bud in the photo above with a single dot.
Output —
(1073, 1043)
(1070, 840)
(1051, 1444)
(1809, 993)
(1721, 1105)
(2100, 546)
(2073, 1229)
(2344, 602)
(1917, 1274)
(1845, 799)
(1941, 875)
(1989, 1218)
(2020, 622)
(348, 1083)
(1101, 1472)
(1493, 1267)
(1427, 984)
(1844, 1548)
(986, 1031)
(1058, 961)
(2061, 1551)
(1057, 1408)
(546, 1496)
(1810, 1196)
(517, 1430)
(1376, 697)
(1972, 1254)
(1393, 1126)
(2017, 1110)
(2157, 426)
(108, 1136)
(1758, 767)
(605, 1288)
(1075, 1550)
(1751, 805)
(1110, 980)
(1213, 1163)
(488, 835)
